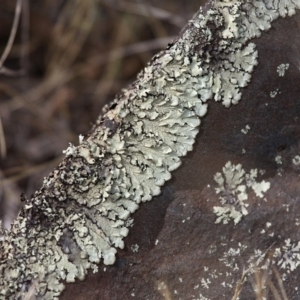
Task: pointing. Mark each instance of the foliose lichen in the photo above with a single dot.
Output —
(233, 186)
(288, 256)
(281, 69)
(82, 212)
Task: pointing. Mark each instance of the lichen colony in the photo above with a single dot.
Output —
(82, 212)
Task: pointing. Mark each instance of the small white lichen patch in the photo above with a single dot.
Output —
(70, 151)
(296, 160)
(260, 188)
(278, 159)
(135, 248)
(205, 282)
(232, 191)
(288, 256)
(161, 286)
(281, 69)
(274, 93)
(81, 138)
(258, 260)
(232, 194)
(246, 129)
(287, 207)
(201, 297)
(230, 258)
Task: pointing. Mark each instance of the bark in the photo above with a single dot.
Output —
(217, 228)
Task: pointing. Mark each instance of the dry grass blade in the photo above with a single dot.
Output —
(70, 32)
(2, 141)
(146, 10)
(259, 284)
(64, 76)
(10, 42)
(279, 280)
(123, 33)
(9, 202)
(25, 37)
(33, 170)
(274, 290)
(240, 284)
(133, 49)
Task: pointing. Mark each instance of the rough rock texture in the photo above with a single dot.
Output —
(214, 219)
(190, 244)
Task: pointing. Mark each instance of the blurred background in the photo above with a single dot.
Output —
(60, 62)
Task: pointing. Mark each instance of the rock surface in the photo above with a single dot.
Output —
(175, 250)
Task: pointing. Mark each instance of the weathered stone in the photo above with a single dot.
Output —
(183, 253)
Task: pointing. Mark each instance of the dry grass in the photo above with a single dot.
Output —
(265, 280)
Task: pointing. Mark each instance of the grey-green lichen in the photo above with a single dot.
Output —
(82, 212)
(233, 188)
(281, 69)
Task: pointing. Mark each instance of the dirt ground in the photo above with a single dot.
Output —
(68, 59)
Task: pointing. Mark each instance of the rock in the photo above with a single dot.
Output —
(182, 252)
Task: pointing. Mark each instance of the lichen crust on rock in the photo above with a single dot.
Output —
(82, 212)
(233, 186)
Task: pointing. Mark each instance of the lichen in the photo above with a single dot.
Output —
(135, 248)
(296, 160)
(205, 282)
(81, 214)
(281, 69)
(246, 129)
(260, 188)
(232, 189)
(288, 256)
(274, 93)
(278, 159)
